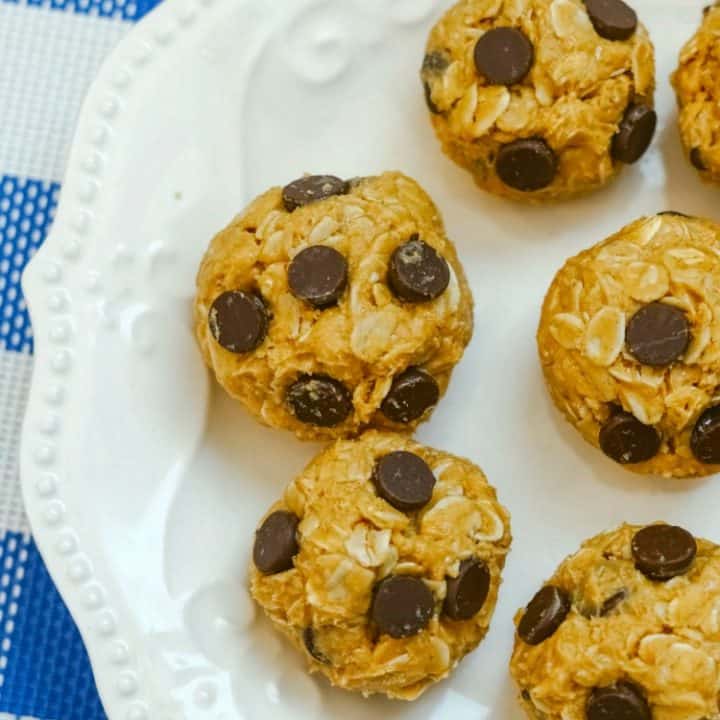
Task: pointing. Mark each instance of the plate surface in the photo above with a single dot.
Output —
(144, 483)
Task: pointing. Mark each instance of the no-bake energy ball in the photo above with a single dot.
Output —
(629, 341)
(697, 84)
(541, 99)
(626, 629)
(329, 305)
(382, 563)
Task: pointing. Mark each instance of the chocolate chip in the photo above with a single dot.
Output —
(404, 480)
(662, 552)
(238, 321)
(673, 212)
(528, 164)
(417, 272)
(276, 543)
(613, 602)
(435, 62)
(705, 438)
(319, 400)
(309, 640)
(411, 395)
(544, 615)
(626, 440)
(467, 593)
(635, 133)
(402, 606)
(318, 275)
(432, 107)
(622, 701)
(658, 334)
(504, 55)
(612, 19)
(696, 159)
(310, 189)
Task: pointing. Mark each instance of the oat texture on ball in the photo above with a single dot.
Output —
(629, 341)
(697, 84)
(329, 306)
(627, 628)
(382, 563)
(541, 99)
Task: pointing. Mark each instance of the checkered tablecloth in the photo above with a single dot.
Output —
(49, 52)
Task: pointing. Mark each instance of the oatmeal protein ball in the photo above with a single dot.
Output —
(626, 629)
(697, 84)
(541, 99)
(328, 306)
(629, 341)
(382, 563)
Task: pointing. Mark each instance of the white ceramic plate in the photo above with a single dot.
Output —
(144, 482)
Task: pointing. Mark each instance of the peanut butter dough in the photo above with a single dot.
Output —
(382, 563)
(541, 99)
(629, 341)
(628, 627)
(697, 84)
(329, 306)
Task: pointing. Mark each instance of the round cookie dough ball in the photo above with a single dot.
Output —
(382, 563)
(629, 341)
(541, 99)
(626, 629)
(328, 306)
(697, 84)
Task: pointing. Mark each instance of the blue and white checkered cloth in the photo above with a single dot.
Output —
(49, 52)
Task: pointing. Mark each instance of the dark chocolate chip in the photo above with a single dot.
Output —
(544, 615)
(696, 159)
(309, 640)
(319, 400)
(417, 272)
(612, 19)
(526, 165)
(404, 480)
(626, 440)
(276, 543)
(411, 395)
(432, 107)
(525, 695)
(504, 55)
(705, 438)
(658, 334)
(402, 606)
(310, 189)
(467, 593)
(238, 320)
(435, 62)
(613, 602)
(621, 701)
(635, 133)
(662, 552)
(673, 212)
(318, 275)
